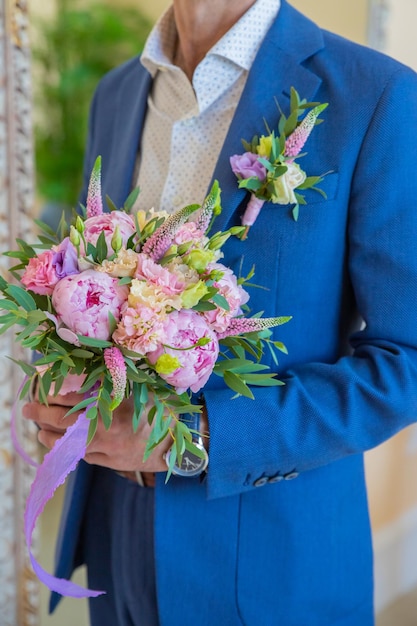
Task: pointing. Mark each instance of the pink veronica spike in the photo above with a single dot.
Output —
(241, 325)
(57, 464)
(211, 204)
(295, 142)
(116, 365)
(94, 201)
(161, 240)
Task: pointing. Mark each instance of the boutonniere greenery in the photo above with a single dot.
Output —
(268, 167)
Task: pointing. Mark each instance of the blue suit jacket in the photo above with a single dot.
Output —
(297, 552)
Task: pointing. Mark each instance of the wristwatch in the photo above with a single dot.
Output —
(191, 464)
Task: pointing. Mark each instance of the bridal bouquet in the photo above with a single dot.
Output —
(120, 305)
(135, 304)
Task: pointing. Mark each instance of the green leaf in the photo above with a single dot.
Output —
(204, 305)
(111, 204)
(105, 412)
(44, 227)
(28, 369)
(267, 164)
(191, 447)
(235, 383)
(6, 326)
(131, 199)
(92, 412)
(221, 301)
(101, 248)
(3, 284)
(22, 297)
(79, 353)
(126, 280)
(25, 390)
(291, 123)
(262, 380)
(50, 358)
(80, 405)
(252, 184)
(310, 181)
(93, 342)
(44, 386)
(296, 212)
(92, 430)
(294, 99)
(232, 364)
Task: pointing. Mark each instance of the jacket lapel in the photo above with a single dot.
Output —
(291, 40)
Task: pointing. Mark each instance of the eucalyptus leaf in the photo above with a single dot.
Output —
(237, 384)
(92, 429)
(22, 297)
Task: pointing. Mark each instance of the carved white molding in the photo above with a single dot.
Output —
(19, 589)
(379, 13)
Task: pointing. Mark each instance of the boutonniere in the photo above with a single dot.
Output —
(268, 167)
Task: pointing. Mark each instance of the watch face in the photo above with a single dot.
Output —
(191, 464)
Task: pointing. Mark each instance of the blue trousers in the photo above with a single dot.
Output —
(118, 551)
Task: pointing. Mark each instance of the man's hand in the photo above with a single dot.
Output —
(118, 448)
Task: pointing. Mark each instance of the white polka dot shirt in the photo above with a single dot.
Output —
(186, 123)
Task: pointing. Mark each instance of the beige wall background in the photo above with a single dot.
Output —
(391, 468)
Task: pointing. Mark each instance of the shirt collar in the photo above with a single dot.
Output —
(239, 45)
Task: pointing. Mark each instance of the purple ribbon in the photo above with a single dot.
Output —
(57, 464)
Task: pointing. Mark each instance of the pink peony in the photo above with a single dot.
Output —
(219, 319)
(140, 329)
(107, 223)
(183, 329)
(40, 275)
(83, 302)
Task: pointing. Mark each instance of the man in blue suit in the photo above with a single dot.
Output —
(278, 532)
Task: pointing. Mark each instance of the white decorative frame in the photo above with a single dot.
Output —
(19, 589)
(379, 12)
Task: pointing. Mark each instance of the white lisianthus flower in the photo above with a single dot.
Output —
(284, 185)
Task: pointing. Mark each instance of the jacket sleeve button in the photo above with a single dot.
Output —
(275, 479)
(291, 476)
(260, 482)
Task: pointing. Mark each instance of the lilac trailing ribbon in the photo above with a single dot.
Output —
(57, 464)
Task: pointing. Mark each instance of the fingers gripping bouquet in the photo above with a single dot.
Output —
(120, 304)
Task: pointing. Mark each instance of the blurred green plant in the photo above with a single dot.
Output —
(71, 52)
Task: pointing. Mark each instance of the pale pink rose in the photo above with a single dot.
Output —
(189, 232)
(183, 329)
(140, 329)
(170, 283)
(40, 275)
(235, 295)
(83, 302)
(107, 222)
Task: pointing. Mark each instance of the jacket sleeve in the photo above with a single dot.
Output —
(328, 411)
